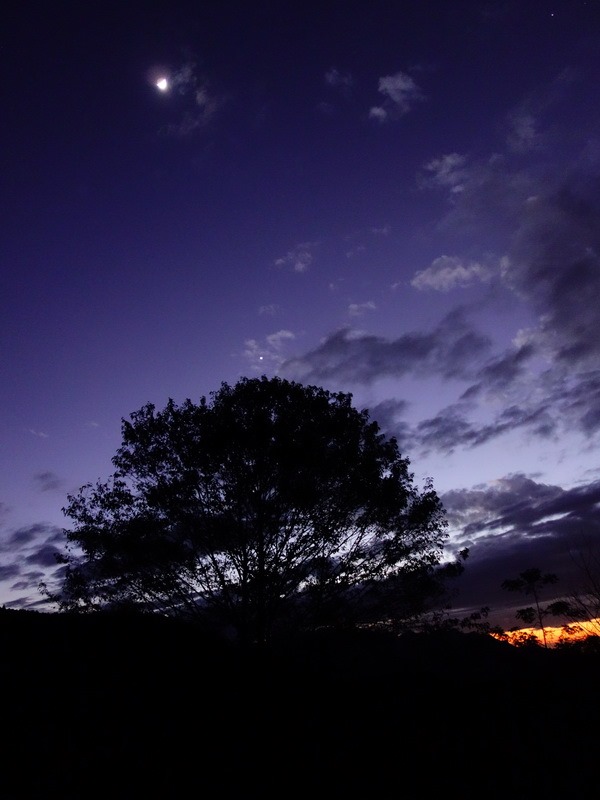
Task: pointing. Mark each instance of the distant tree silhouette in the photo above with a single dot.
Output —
(270, 505)
(582, 604)
(530, 583)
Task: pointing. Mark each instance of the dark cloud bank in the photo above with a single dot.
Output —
(546, 384)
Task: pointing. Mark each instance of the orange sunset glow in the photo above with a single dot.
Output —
(555, 635)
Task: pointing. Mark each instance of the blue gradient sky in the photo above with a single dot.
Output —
(396, 199)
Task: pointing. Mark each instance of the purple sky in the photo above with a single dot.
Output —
(400, 200)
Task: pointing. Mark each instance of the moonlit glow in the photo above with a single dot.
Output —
(162, 84)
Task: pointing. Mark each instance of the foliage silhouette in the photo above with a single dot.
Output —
(531, 582)
(582, 603)
(270, 506)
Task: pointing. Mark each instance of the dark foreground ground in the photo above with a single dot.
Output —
(134, 708)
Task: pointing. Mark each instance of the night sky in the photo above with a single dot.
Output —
(400, 200)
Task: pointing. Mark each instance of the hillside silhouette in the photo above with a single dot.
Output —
(108, 705)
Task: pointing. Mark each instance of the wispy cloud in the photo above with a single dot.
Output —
(378, 113)
(449, 171)
(552, 264)
(503, 370)
(355, 251)
(400, 93)
(523, 123)
(359, 309)
(48, 481)
(299, 258)
(522, 132)
(383, 231)
(269, 310)
(277, 340)
(555, 266)
(268, 354)
(552, 269)
(31, 546)
(203, 103)
(450, 272)
(452, 427)
(452, 350)
(333, 77)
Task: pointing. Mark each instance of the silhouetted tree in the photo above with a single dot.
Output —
(530, 583)
(582, 604)
(270, 504)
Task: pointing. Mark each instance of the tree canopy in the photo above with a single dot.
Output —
(270, 504)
